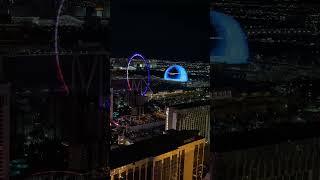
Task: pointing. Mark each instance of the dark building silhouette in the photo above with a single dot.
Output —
(79, 117)
(48, 8)
(137, 102)
(287, 152)
(4, 131)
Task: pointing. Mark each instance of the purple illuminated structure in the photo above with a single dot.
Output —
(56, 49)
(148, 72)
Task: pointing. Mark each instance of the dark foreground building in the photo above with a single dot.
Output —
(273, 154)
(78, 84)
(4, 130)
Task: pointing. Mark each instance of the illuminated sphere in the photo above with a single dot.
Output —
(230, 42)
(176, 73)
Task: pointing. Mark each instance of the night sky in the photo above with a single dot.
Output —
(165, 29)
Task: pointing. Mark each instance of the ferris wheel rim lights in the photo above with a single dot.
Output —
(148, 72)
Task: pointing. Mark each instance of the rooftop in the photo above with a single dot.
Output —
(192, 104)
(151, 147)
(263, 137)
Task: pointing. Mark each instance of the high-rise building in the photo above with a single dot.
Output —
(137, 102)
(80, 118)
(175, 155)
(4, 131)
(270, 154)
(80, 9)
(88, 122)
(189, 117)
(5, 16)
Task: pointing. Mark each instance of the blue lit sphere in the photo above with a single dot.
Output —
(176, 73)
(230, 42)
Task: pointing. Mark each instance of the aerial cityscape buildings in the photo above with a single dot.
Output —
(272, 93)
(76, 100)
(139, 118)
(98, 89)
(56, 133)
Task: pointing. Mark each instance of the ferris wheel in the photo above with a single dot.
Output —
(142, 85)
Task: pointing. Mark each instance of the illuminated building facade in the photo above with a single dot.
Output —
(4, 131)
(189, 117)
(175, 155)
